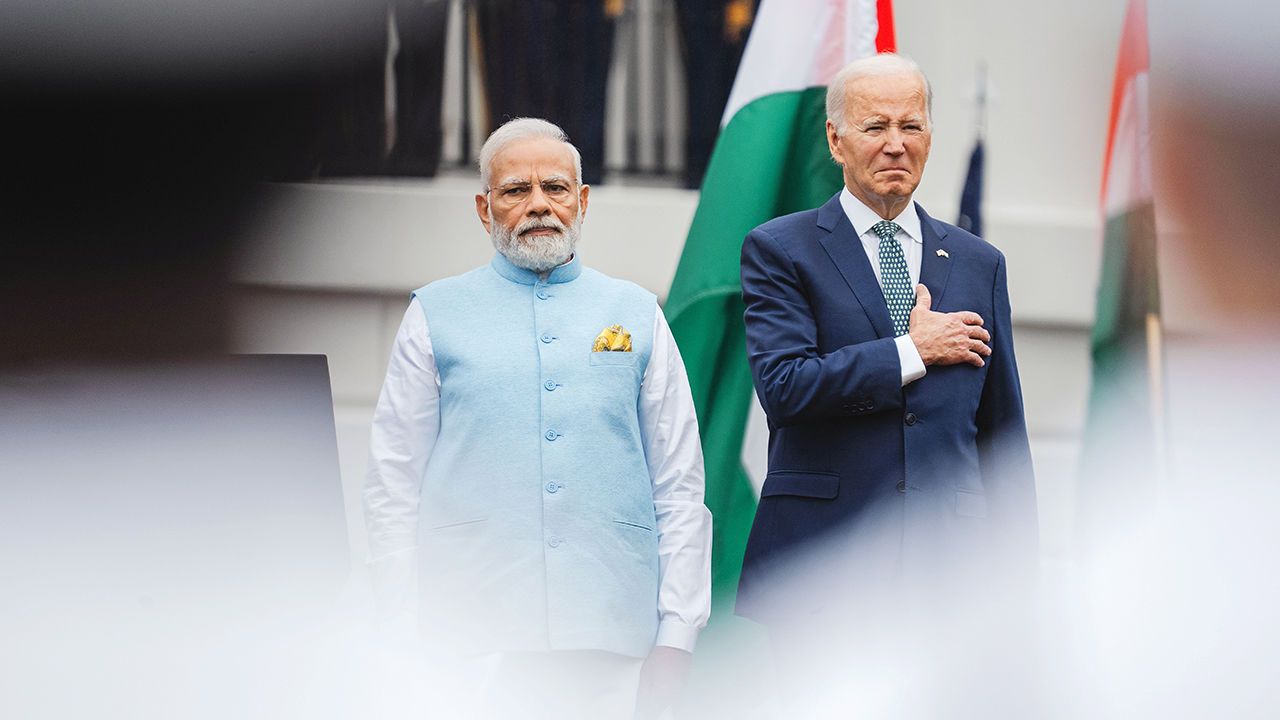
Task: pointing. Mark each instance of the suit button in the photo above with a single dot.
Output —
(911, 418)
(552, 487)
(550, 385)
(902, 486)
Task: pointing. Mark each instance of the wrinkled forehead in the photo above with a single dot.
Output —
(898, 95)
(537, 158)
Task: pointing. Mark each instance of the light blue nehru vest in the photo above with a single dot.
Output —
(536, 525)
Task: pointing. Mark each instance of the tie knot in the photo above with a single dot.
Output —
(885, 230)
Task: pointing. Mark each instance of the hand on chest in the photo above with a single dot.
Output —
(847, 312)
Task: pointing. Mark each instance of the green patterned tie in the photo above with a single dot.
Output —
(895, 279)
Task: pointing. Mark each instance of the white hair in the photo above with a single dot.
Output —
(882, 64)
(521, 129)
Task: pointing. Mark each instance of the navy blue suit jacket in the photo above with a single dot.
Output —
(941, 467)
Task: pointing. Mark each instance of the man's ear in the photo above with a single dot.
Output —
(583, 192)
(833, 142)
(482, 209)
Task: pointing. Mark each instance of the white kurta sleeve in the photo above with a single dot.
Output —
(669, 426)
(405, 425)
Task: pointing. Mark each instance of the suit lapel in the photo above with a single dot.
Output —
(935, 268)
(845, 250)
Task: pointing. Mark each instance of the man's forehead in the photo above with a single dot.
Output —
(524, 178)
(546, 154)
(871, 90)
(868, 114)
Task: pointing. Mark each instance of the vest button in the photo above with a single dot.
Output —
(543, 295)
(910, 418)
(552, 487)
(552, 435)
(554, 542)
(902, 486)
(550, 385)
(546, 338)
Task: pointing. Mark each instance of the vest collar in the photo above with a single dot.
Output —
(561, 274)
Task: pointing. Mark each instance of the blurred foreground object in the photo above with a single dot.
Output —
(172, 519)
(133, 136)
(1123, 463)
(173, 536)
(1178, 581)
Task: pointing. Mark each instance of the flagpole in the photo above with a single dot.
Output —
(982, 100)
(1155, 388)
(970, 215)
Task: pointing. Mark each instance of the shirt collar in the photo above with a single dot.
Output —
(560, 274)
(863, 217)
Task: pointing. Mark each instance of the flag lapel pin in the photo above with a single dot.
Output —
(943, 253)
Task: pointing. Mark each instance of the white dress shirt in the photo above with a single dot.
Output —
(405, 426)
(863, 218)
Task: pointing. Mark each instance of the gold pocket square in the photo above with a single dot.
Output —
(614, 338)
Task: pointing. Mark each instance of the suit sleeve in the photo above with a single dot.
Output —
(794, 381)
(1003, 449)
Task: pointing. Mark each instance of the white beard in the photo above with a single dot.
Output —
(538, 253)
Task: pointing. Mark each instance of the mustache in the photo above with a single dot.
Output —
(537, 223)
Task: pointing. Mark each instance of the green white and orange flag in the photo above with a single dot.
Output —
(770, 159)
(1123, 444)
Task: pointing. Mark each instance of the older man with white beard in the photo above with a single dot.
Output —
(536, 472)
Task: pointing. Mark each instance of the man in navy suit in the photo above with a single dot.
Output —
(881, 350)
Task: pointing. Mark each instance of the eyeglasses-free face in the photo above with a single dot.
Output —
(884, 144)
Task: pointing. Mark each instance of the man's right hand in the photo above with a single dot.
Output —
(947, 338)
